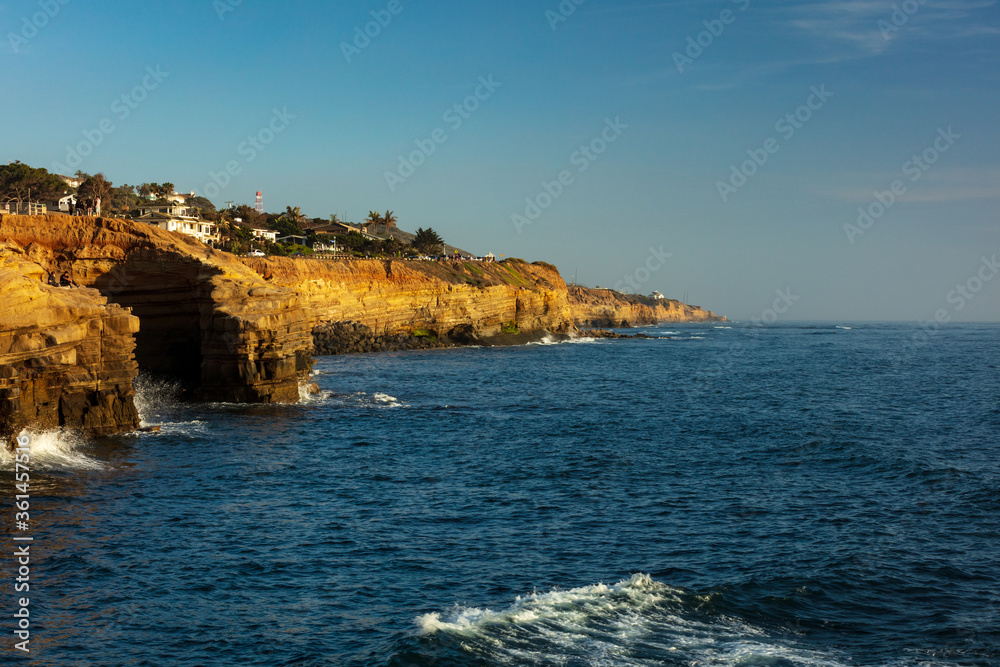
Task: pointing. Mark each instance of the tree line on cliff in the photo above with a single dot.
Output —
(21, 183)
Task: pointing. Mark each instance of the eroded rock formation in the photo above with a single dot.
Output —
(607, 308)
(460, 300)
(205, 318)
(66, 354)
(241, 329)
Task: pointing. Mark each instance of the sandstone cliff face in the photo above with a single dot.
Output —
(603, 308)
(205, 318)
(240, 329)
(66, 355)
(447, 298)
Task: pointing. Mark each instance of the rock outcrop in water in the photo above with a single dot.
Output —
(66, 355)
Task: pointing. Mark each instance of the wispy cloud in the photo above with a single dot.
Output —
(855, 29)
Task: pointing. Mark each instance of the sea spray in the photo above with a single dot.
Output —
(60, 449)
(627, 623)
(154, 396)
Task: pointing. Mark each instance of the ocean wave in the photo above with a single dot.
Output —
(361, 399)
(154, 397)
(552, 340)
(386, 400)
(637, 621)
(307, 395)
(60, 449)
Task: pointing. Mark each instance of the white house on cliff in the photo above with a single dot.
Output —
(175, 218)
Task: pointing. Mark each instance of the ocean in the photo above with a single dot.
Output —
(717, 494)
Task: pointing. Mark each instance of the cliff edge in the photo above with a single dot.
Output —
(607, 308)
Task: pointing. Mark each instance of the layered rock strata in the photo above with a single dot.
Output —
(205, 318)
(607, 308)
(66, 355)
(242, 329)
(463, 301)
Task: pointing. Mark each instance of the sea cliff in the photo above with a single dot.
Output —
(459, 300)
(607, 308)
(242, 329)
(66, 355)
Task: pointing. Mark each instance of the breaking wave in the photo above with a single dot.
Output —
(60, 449)
(154, 398)
(637, 621)
(552, 340)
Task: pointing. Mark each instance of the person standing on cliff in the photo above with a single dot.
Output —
(97, 206)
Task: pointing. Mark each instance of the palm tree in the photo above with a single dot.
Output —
(389, 220)
(293, 213)
(374, 219)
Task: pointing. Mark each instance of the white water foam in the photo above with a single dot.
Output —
(385, 400)
(159, 404)
(54, 450)
(551, 340)
(844, 328)
(722, 327)
(308, 397)
(154, 397)
(601, 625)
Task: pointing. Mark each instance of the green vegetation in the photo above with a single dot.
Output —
(509, 328)
(427, 241)
(425, 333)
(18, 182)
(514, 276)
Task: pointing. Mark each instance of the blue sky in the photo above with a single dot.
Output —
(200, 78)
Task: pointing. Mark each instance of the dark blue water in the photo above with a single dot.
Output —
(796, 495)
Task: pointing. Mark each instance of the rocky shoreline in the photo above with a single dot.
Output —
(244, 330)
